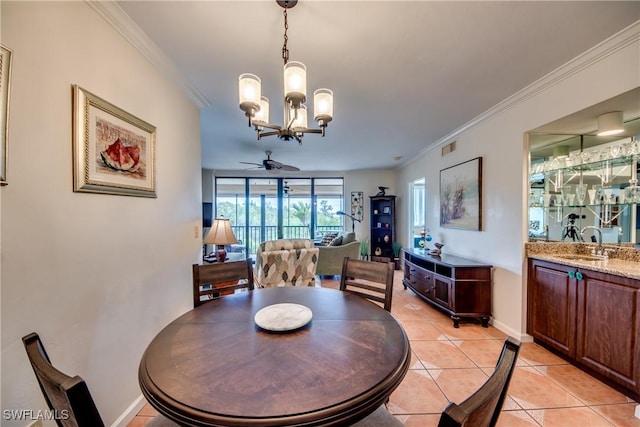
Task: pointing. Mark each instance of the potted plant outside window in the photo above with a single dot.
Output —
(397, 247)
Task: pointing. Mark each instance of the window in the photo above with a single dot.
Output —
(418, 209)
(279, 208)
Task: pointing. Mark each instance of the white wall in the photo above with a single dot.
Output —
(609, 70)
(96, 275)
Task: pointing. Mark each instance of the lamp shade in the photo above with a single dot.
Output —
(301, 120)
(249, 89)
(323, 105)
(610, 123)
(262, 115)
(295, 82)
(221, 233)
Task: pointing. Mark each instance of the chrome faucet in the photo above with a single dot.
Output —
(599, 230)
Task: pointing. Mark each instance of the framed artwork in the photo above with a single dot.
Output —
(386, 210)
(461, 195)
(357, 206)
(114, 151)
(5, 91)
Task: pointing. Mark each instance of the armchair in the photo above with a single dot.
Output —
(286, 262)
(330, 258)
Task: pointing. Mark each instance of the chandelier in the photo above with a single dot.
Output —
(256, 106)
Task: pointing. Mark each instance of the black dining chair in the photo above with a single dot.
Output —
(211, 281)
(68, 397)
(368, 279)
(483, 407)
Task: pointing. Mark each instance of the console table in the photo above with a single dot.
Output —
(457, 286)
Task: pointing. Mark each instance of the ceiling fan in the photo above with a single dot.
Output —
(272, 165)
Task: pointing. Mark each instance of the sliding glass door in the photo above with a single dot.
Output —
(279, 208)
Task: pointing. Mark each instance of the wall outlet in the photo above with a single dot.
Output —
(36, 423)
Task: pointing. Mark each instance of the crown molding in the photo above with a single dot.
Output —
(599, 52)
(121, 22)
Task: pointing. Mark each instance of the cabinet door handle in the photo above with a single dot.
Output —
(579, 275)
(572, 274)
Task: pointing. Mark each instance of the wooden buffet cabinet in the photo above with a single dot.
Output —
(589, 317)
(458, 286)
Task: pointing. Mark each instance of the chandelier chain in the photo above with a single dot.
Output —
(285, 50)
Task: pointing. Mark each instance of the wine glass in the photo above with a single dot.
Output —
(581, 193)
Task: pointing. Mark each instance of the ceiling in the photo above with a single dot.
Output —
(405, 75)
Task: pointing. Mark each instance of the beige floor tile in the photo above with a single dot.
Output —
(515, 419)
(415, 362)
(421, 330)
(417, 393)
(466, 331)
(458, 384)
(582, 385)
(620, 415)
(533, 354)
(441, 354)
(148, 410)
(569, 417)
(532, 390)
(483, 353)
(139, 421)
(419, 420)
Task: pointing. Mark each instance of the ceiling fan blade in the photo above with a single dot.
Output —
(289, 168)
(251, 163)
(274, 164)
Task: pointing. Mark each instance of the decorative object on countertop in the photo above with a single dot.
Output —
(438, 250)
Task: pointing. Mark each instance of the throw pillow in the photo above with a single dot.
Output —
(348, 237)
(336, 242)
(327, 238)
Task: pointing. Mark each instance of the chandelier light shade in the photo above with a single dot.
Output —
(221, 234)
(256, 106)
(610, 124)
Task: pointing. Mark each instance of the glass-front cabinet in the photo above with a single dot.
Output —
(579, 181)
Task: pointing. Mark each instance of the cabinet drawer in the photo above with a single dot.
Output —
(420, 280)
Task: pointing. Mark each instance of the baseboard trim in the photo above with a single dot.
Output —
(511, 332)
(130, 413)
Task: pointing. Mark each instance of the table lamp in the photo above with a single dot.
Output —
(221, 234)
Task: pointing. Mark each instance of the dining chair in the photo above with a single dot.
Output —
(211, 281)
(368, 279)
(67, 397)
(483, 407)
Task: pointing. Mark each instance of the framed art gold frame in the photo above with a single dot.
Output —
(5, 92)
(461, 195)
(114, 151)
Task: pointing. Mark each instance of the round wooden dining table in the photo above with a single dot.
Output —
(213, 366)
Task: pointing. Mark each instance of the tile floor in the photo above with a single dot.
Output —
(449, 364)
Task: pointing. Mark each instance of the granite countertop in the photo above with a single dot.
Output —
(622, 261)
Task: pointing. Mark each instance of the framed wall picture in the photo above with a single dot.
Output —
(461, 195)
(114, 151)
(5, 91)
(357, 206)
(386, 210)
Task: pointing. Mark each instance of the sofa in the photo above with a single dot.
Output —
(286, 262)
(331, 256)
